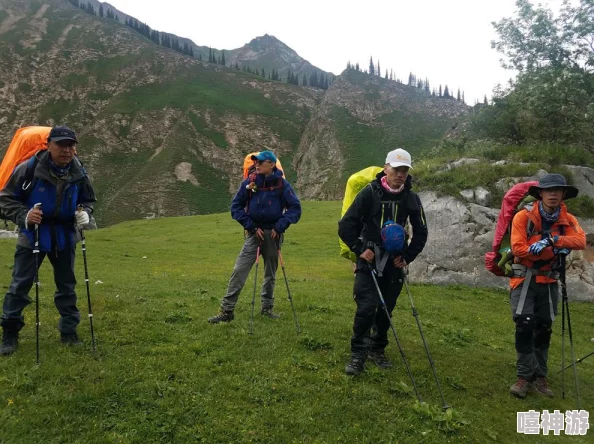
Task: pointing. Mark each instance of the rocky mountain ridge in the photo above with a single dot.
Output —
(164, 134)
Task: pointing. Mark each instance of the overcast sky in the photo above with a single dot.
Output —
(446, 41)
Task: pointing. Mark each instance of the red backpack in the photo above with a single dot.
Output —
(500, 256)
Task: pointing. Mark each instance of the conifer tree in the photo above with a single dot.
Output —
(458, 97)
(439, 94)
(101, 10)
(386, 73)
(485, 101)
(371, 67)
(313, 79)
(222, 62)
(379, 71)
(191, 51)
(304, 80)
(356, 67)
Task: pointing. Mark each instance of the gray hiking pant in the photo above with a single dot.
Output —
(534, 327)
(23, 277)
(243, 266)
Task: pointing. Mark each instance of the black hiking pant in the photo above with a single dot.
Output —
(23, 277)
(371, 325)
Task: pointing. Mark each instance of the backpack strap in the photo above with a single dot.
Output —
(27, 184)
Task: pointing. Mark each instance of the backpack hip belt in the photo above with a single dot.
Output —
(520, 270)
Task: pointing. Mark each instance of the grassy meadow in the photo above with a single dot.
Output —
(161, 373)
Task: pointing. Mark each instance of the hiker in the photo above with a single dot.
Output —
(60, 184)
(265, 205)
(540, 235)
(387, 198)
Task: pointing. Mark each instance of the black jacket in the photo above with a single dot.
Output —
(362, 222)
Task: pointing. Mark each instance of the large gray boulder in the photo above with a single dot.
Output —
(460, 233)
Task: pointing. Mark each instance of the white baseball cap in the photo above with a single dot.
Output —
(399, 157)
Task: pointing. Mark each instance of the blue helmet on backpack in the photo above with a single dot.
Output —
(393, 237)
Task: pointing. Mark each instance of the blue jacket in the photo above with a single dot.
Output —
(273, 204)
(59, 199)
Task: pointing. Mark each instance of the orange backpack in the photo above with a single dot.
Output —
(25, 143)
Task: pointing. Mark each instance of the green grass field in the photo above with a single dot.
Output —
(161, 373)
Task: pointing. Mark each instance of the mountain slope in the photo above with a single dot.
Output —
(160, 133)
(359, 120)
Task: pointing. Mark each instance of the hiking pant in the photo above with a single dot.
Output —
(370, 314)
(534, 327)
(23, 277)
(243, 266)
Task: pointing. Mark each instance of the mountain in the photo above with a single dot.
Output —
(265, 52)
(360, 118)
(270, 53)
(164, 134)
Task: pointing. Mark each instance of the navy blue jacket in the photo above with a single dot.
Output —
(273, 204)
(59, 199)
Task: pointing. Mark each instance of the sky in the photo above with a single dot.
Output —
(448, 42)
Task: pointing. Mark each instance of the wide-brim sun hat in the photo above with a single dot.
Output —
(553, 181)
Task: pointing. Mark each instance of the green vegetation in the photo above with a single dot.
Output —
(58, 109)
(161, 373)
(366, 141)
(552, 98)
(200, 125)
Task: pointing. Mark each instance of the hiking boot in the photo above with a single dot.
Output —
(520, 388)
(541, 386)
(267, 312)
(380, 359)
(70, 339)
(10, 342)
(355, 366)
(222, 316)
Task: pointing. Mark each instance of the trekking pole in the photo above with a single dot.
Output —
(383, 302)
(416, 316)
(84, 251)
(562, 345)
(251, 329)
(577, 362)
(288, 291)
(566, 304)
(36, 254)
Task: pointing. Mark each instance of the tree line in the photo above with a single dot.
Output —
(413, 80)
(316, 79)
(552, 97)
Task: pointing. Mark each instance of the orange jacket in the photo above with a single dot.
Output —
(574, 239)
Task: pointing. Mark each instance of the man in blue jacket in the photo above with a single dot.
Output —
(56, 179)
(265, 206)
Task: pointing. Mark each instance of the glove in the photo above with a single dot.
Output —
(561, 251)
(82, 218)
(537, 247)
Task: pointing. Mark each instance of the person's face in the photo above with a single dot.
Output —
(396, 176)
(62, 152)
(552, 197)
(264, 167)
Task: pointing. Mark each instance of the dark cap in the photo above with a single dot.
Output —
(59, 133)
(553, 181)
(265, 155)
